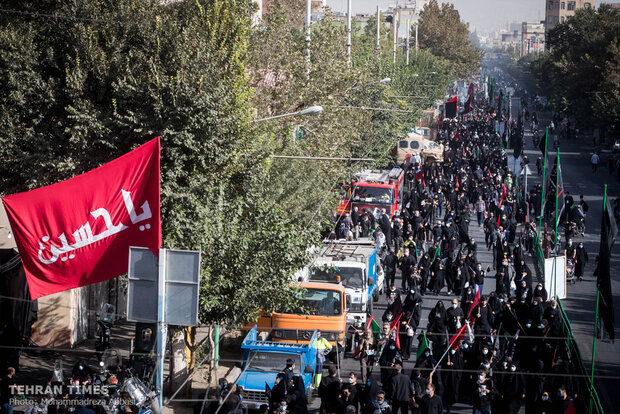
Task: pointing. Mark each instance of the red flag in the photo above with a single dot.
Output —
(368, 323)
(571, 408)
(457, 181)
(456, 338)
(78, 232)
(475, 302)
(396, 325)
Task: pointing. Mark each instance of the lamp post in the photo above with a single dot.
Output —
(313, 110)
(384, 80)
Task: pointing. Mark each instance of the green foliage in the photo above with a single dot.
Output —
(580, 73)
(78, 92)
(443, 33)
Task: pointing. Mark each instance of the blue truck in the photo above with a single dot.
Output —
(264, 360)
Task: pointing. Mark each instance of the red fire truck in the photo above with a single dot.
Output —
(374, 190)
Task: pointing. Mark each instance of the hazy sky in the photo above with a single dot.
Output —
(485, 15)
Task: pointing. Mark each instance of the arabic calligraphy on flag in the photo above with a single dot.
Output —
(78, 232)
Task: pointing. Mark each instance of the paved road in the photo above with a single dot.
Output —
(580, 303)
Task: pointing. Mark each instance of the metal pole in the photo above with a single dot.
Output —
(349, 32)
(293, 157)
(408, 30)
(542, 199)
(394, 23)
(416, 39)
(161, 326)
(308, 21)
(598, 294)
(378, 26)
(555, 218)
(216, 347)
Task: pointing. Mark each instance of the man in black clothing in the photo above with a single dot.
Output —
(389, 266)
(406, 267)
(400, 388)
(329, 391)
(431, 403)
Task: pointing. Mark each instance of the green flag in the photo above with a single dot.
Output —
(423, 346)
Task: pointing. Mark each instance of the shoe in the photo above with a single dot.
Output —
(580, 278)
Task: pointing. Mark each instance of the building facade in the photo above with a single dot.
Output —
(557, 11)
(532, 38)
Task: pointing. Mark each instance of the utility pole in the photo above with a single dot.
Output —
(308, 21)
(349, 32)
(408, 30)
(394, 24)
(378, 31)
(416, 38)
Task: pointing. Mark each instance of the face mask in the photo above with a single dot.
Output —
(559, 394)
(545, 398)
(513, 369)
(389, 317)
(480, 377)
(283, 408)
(81, 367)
(427, 391)
(351, 380)
(465, 346)
(438, 314)
(392, 347)
(454, 305)
(452, 351)
(426, 354)
(485, 351)
(487, 366)
(528, 325)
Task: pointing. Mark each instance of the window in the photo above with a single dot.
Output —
(563, 6)
(571, 5)
(587, 5)
(550, 19)
(380, 195)
(550, 5)
(351, 277)
(562, 19)
(415, 145)
(403, 144)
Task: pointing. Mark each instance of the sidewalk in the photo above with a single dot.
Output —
(36, 366)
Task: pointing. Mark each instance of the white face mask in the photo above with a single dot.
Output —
(454, 305)
(480, 377)
(513, 369)
(427, 391)
(545, 398)
(351, 380)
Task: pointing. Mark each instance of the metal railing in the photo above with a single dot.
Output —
(583, 384)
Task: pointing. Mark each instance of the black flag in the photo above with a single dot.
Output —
(467, 106)
(451, 106)
(542, 144)
(603, 281)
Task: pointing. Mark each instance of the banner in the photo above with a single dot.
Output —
(78, 232)
(450, 107)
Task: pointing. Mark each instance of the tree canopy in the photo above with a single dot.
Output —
(101, 78)
(581, 71)
(442, 32)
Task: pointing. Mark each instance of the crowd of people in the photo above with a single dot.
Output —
(496, 352)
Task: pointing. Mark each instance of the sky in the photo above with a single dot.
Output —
(484, 15)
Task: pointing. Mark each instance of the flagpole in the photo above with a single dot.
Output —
(556, 219)
(598, 294)
(542, 199)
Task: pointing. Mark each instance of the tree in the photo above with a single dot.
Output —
(81, 91)
(443, 33)
(580, 73)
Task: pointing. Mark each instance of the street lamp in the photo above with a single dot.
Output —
(313, 110)
(384, 80)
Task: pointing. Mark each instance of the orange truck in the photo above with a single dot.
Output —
(323, 306)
